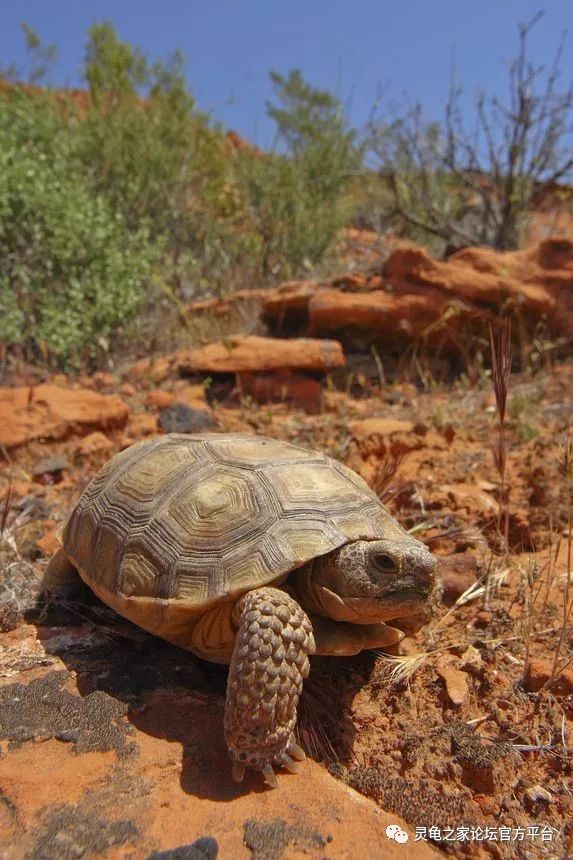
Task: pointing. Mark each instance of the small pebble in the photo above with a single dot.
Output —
(538, 794)
(180, 418)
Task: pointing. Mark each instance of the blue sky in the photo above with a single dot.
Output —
(351, 48)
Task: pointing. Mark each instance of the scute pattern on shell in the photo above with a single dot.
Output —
(208, 516)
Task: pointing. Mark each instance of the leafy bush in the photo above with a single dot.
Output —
(298, 200)
(70, 271)
(97, 187)
(293, 218)
(158, 159)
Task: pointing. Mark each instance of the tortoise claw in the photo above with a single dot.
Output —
(289, 764)
(270, 776)
(290, 759)
(296, 752)
(238, 771)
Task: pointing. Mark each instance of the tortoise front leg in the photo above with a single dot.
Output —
(270, 661)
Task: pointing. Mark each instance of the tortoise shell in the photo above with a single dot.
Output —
(173, 526)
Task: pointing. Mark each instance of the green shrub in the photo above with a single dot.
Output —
(299, 200)
(293, 219)
(148, 149)
(95, 191)
(70, 271)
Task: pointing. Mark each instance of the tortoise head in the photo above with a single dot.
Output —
(369, 581)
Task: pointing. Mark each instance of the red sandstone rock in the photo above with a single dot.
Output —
(550, 261)
(241, 354)
(128, 390)
(456, 573)
(142, 424)
(420, 297)
(398, 317)
(292, 296)
(190, 395)
(159, 399)
(50, 542)
(476, 274)
(222, 305)
(104, 379)
(160, 778)
(283, 386)
(155, 369)
(355, 283)
(466, 497)
(373, 435)
(93, 443)
(539, 671)
(456, 682)
(375, 282)
(46, 411)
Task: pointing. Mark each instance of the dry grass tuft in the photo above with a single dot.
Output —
(19, 579)
(401, 668)
(565, 466)
(386, 481)
(501, 368)
(5, 511)
(490, 580)
(501, 365)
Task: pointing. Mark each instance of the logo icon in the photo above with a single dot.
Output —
(395, 832)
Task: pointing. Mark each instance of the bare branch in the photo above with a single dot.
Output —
(477, 187)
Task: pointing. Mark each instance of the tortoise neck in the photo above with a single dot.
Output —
(303, 586)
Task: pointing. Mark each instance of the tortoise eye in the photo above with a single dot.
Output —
(385, 563)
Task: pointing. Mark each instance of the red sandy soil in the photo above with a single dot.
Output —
(111, 741)
(465, 741)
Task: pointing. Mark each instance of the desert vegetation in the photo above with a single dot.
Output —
(125, 194)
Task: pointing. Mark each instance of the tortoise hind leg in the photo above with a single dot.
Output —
(269, 664)
(60, 573)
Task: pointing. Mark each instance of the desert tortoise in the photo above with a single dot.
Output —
(248, 551)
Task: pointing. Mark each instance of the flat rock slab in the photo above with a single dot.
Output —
(289, 296)
(244, 354)
(396, 317)
(135, 768)
(416, 296)
(51, 412)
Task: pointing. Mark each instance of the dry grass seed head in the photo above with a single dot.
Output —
(5, 511)
(396, 669)
(386, 483)
(501, 365)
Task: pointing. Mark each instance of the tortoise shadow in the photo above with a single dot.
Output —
(170, 693)
(175, 696)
